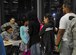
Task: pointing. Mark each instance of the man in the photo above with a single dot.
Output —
(2, 48)
(34, 27)
(14, 25)
(72, 35)
(63, 27)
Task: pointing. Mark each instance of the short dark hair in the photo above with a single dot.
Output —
(68, 5)
(7, 28)
(24, 20)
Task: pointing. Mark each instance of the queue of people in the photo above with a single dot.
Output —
(39, 38)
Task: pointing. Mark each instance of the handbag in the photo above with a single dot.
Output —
(26, 53)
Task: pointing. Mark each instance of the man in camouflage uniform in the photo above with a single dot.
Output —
(14, 25)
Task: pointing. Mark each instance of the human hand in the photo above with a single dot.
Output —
(56, 49)
(14, 38)
(6, 39)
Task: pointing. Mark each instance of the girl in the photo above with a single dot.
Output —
(24, 35)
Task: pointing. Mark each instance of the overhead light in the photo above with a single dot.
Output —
(54, 14)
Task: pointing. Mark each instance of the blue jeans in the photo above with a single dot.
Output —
(35, 49)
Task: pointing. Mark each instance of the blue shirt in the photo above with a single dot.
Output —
(2, 48)
(24, 34)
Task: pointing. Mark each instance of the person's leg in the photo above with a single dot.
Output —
(49, 48)
(35, 49)
(38, 48)
(65, 49)
(9, 50)
(74, 51)
(15, 50)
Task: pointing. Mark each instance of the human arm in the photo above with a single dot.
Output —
(23, 35)
(62, 28)
(59, 36)
(4, 36)
(3, 27)
(16, 31)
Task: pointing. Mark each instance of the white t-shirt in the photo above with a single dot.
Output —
(64, 24)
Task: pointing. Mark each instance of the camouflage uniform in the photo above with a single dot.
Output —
(15, 28)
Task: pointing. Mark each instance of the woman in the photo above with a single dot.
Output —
(47, 33)
(34, 27)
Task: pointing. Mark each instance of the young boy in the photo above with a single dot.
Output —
(7, 34)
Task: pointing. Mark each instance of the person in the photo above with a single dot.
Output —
(47, 33)
(72, 35)
(63, 27)
(34, 27)
(2, 48)
(7, 36)
(24, 35)
(14, 25)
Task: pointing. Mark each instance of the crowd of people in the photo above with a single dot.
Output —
(38, 38)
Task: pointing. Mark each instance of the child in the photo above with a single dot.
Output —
(24, 34)
(7, 34)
